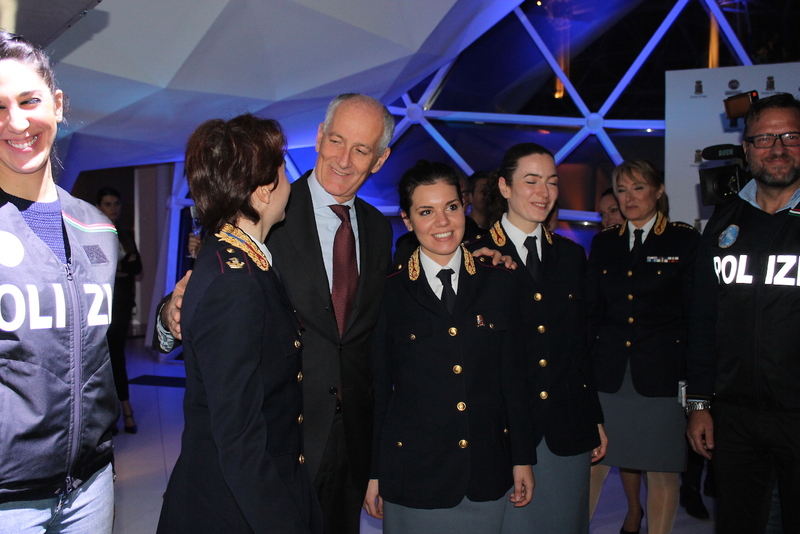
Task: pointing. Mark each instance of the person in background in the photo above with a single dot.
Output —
(58, 256)
(128, 267)
(567, 418)
(451, 418)
(639, 285)
(477, 199)
(241, 466)
(608, 208)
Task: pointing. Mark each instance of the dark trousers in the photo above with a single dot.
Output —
(340, 501)
(117, 334)
(753, 449)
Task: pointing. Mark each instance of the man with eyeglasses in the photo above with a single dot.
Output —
(744, 342)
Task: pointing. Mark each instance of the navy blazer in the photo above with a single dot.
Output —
(241, 467)
(561, 384)
(331, 361)
(638, 308)
(450, 413)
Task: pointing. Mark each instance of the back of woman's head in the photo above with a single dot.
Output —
(226, 161)
(18, 48)
(425, 172)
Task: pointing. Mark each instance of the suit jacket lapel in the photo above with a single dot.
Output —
(303, 235)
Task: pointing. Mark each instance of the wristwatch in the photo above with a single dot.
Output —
(697, 406)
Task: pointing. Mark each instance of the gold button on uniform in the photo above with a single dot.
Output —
(630, 273)
(302, 459)
(412, 337)
(630, 320)
(300, 376)
(542, 363)
(491, 326)
(540, 329)
(457, 369)
(605, 271)
(543, 395)
(537, 297)
(297, 344)
(399, 444)
(630, 297)
(461, 406)
(463, 443)
(505, 431)
(452, 331)
(627, 343)
(570, 296)
(300, 419)
(659, 272)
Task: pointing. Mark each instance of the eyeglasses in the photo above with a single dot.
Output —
(768, 140)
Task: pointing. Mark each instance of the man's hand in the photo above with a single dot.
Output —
(523, 486)
(496, 256)
(599, 452)
(700, 431)
(171, 312)
(373, 503)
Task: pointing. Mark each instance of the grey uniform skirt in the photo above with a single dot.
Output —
(466, 518)
(645, 433)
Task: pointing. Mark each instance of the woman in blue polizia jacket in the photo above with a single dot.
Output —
(57, 261)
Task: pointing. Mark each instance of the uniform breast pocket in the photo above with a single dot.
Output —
(289, 342)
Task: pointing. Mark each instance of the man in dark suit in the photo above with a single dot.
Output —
(351, 144)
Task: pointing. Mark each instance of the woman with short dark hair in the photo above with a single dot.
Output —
(241, 463)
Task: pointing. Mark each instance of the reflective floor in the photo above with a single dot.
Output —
(144, 460)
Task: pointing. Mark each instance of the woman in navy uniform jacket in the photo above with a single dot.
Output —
(639, 283)
(450, 415)
(567, 419)
(241, 464)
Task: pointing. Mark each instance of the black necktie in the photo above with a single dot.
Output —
(448, 295)
(637, 243)
(533, 262)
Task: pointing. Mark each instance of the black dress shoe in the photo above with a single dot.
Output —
(693, 503)
(623, 531)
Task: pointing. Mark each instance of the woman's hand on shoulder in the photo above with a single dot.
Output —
(373, 503)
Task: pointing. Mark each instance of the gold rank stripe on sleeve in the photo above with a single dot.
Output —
(237, 238)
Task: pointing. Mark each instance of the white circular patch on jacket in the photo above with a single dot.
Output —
(11, 250)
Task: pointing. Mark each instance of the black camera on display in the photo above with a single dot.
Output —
(722, 183)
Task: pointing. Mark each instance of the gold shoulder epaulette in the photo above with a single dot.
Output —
(680, 224)
(498, 236)
(237, 238)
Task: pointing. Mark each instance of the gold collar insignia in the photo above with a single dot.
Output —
(414, 265)
(498, 236)
(236, 237)
(661, 224)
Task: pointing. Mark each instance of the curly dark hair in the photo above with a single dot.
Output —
(226, 161)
